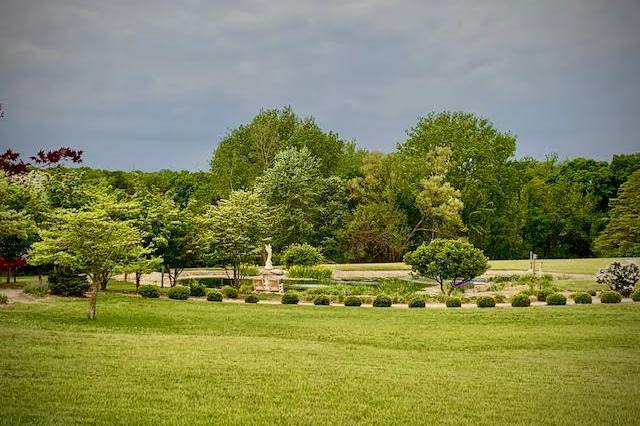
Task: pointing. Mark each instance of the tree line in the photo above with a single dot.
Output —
(281, 178)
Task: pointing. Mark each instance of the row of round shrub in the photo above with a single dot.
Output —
(382, 301)
(179, 292)
(251, 298)
(521, 300)
(486, 302)
(582, 298)
(556, 299)
(417, 302)
(214, 296)
(635, 296)
(610, 296)
(322, 300)
(149, 290)
(352, 301)
(453, 302)
(290, 298)
(197, 289)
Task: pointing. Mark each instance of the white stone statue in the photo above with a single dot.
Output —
(268, 265)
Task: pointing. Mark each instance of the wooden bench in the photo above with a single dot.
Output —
(269, 284)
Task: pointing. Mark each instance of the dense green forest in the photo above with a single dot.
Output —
(454, 175)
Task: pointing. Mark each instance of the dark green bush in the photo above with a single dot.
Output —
(214, 296)
(486, 302)
(3, 299)
(453, 302)
(382, 301)
(197, 289)
(230, 292)
(301, 254)
(635, 296)
(35, 289)
(149, 290)
(352, 301)
(179, 292)
(417, 302)
(251, 298)
(322, 299)
(582, 298)
(63, 282)
(290, 298)
(610, 296)
(556, 299)
(543, 293)
(592, 292)
(520, 300)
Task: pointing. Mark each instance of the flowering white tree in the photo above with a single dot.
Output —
(619, 277)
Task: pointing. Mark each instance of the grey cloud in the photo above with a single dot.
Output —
(156, 84)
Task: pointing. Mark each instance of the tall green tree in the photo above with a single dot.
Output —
(621, 237)
(240, 227)
(300, 198)
(247, 151)
(480, 169)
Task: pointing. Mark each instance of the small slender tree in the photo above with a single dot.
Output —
(91, 243)
(239, 227)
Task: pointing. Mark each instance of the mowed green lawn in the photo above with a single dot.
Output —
(172, 362)
(566, 266)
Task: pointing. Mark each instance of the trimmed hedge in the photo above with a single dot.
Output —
(197, 289)
(214, 296)
(417, 302)
(290, 298)
(635, 296)
(230, 292)
(352, 301)
(556, 299)
(610, 296)
(382, 301)
(179, 292)
(251, 298)
(542, 294)
(453, 302)
(149, 290)
(582, 298)
(322, 299)
(486, 302)
(592, 292)
(520, 300)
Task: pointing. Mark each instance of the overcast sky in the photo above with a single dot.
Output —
(156, 84)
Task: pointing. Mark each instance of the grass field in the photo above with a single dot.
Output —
(168, 362)
(567, 266)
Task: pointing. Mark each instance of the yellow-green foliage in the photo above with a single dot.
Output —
(318, 272)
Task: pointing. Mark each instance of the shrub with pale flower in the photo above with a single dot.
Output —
(619, 277)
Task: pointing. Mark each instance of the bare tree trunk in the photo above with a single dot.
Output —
(8, 276)
(162, 277)
(126, 276)
(93, 298)
(138, 276)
